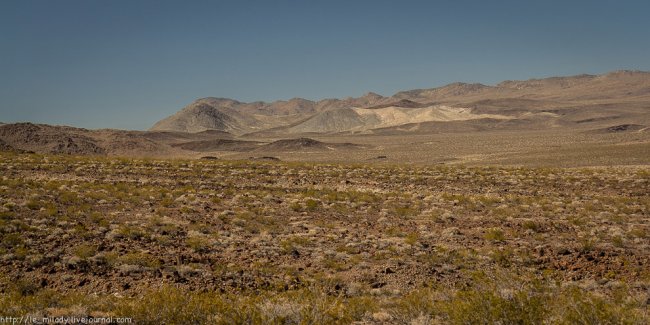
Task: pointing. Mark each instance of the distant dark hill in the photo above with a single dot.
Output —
(306, 144)
(510, 106)
(625, 128)
(49, 139)
(452, 90)
(621, 128)
(5, 146)
(218, 145)
(468, 126)
(335, 120)
(295, 144)
(201, 115)
(42, 138)
(405, 103)
(185, 136)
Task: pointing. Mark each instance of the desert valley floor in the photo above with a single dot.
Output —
(213, 241)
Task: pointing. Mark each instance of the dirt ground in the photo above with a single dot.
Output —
(119, 227)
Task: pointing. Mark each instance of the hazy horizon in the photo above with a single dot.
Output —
(125, 64)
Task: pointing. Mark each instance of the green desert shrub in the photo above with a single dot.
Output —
(198, 244)
(85, 251)
(494, 234)
(311, 205)
(142, 259)
(488, 299)
(489, 306)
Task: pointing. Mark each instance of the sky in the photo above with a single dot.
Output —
(129, 63)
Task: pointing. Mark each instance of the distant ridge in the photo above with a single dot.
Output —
(305, 144)
(299, 115)
(615, 104)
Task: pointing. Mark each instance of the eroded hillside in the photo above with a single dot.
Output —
(619, 96)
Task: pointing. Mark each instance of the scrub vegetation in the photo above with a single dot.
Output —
(223, 242)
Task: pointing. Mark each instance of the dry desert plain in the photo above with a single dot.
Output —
(538, 216)
(212, 241)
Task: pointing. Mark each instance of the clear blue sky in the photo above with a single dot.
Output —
(128, 63)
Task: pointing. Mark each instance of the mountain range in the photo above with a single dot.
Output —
(582, 108)
(534, 99)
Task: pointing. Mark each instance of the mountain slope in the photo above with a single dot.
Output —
(200, 116)
(335, 120)
(42, 138)
(457, 101)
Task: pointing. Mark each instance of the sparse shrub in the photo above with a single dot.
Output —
(395, 232)
(111, 258)
(292, 243)
(142, 259)
(33, 204)
(495, 234)
(404, 211)
(167, 202)
(21, 252)
(281, 311)
(12, 240)
(502, 212)
(6, 215)
(531, 225)
(587, 244)
(638, 232)
(456, 198)
(415, 304)
(85, 251)
(579, 307)
(487, 305)
(82, 231)
(334, 264)
(173, 306)
(617, 241)
(502, 257)
(311, 205)
(51, 210)
(24, 287)
(296, 207)
(412, 238)
(578, 220)
(131, 232)
(198, 244)
(98, 219)
(68, 198)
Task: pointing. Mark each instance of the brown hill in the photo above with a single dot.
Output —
(218, 145)
(204, 115)
(49, 139)
(240, 118)
(305, 144)
(446, 92)
(6, 147)
(43, 138)
(335, 120)
(622, 128)
(404, 103)
(567, 99)
(178, 137)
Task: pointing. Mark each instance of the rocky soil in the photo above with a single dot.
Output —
(111, 226)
